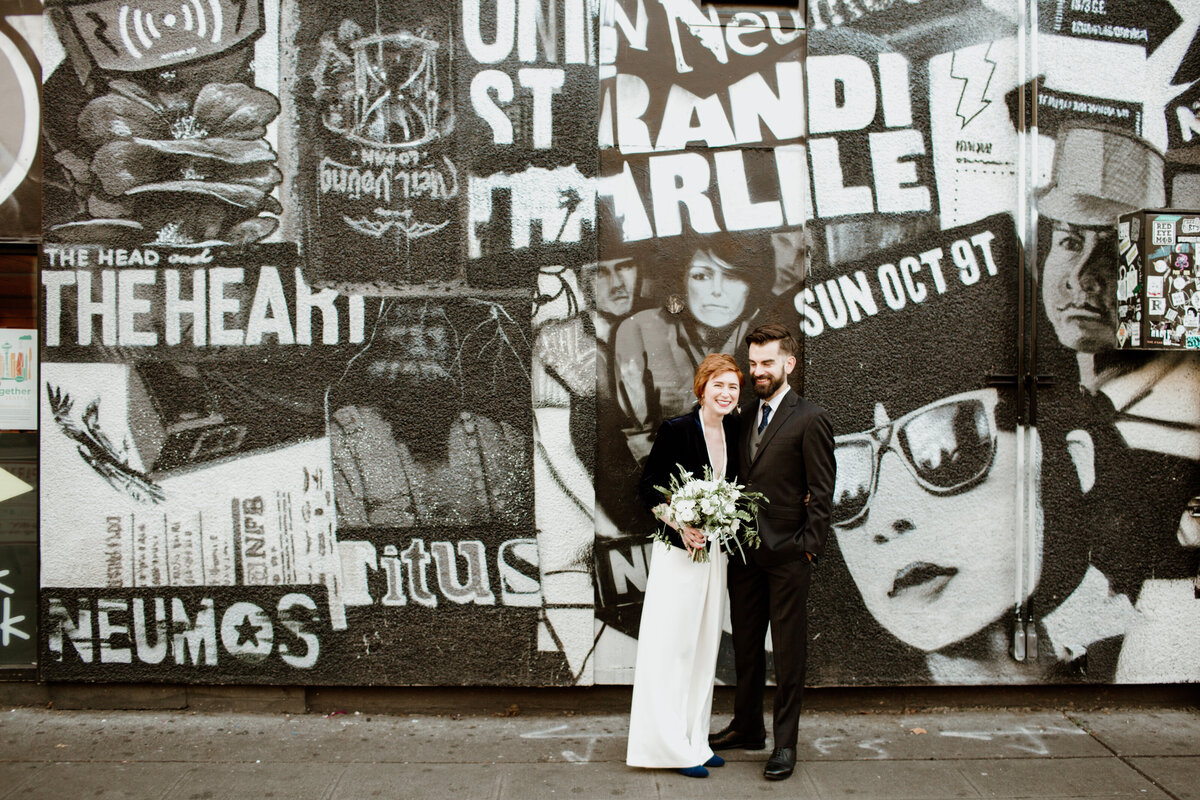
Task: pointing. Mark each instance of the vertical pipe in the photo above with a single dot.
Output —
(1022, 215)
(1031, 247)
(1033, 464)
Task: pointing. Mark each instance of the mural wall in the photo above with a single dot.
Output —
(288, 288)
(359, 320)
(975, 522)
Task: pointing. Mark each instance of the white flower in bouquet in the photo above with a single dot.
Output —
(725, 512)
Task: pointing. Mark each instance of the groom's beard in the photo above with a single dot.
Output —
(765, 390)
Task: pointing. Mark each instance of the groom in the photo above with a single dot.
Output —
(787, 454)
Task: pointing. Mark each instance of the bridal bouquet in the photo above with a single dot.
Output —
(724, 511)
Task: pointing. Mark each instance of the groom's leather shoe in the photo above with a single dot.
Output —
(727, 739)
(781, 764)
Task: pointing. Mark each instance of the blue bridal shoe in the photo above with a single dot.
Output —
(694, 772)
(715, 761)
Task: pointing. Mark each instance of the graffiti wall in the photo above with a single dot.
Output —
(985, 534)
(359, 319)
(701, 205)
(288, 281)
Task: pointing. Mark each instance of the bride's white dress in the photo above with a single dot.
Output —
(677, 657)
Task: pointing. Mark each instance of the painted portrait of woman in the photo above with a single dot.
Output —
(941, 550)
(713, 295)
(926, 524)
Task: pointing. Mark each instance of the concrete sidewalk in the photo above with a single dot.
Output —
(1143, 753)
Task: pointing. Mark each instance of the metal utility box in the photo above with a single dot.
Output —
(1158, 281)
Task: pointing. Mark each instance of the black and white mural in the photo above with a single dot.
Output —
(700, 217)
(374, 99)
(985, 535)
(298, 398)
(358, 320)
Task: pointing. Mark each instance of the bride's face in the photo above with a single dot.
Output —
(721, 392)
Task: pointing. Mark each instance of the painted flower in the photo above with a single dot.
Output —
(178, 170)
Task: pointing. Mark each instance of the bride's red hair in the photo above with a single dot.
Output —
(715, 364)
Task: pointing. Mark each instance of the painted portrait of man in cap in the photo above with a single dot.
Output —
(1099, 173)
(1111, 413)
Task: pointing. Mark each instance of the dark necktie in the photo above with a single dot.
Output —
(766, 417)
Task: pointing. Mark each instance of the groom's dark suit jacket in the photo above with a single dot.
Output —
(794, 458)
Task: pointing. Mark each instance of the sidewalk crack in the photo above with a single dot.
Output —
(177, 781)
(333, 787)
(1124, 760)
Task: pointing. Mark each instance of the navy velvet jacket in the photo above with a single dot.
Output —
(680, 443)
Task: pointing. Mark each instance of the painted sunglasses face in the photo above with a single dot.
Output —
(948, 446)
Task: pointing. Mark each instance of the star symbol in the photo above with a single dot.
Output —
(247, 632)
(3, 587)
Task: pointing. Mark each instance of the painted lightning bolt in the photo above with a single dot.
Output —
(975, 71)
(100, 31)
(241, 7)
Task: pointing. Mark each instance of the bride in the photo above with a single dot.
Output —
(684, 604)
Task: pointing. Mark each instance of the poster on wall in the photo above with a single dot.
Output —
(18, 379)
(921, 561)
(701, 203)
(375, 109)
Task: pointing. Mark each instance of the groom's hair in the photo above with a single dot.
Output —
(774, 332)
